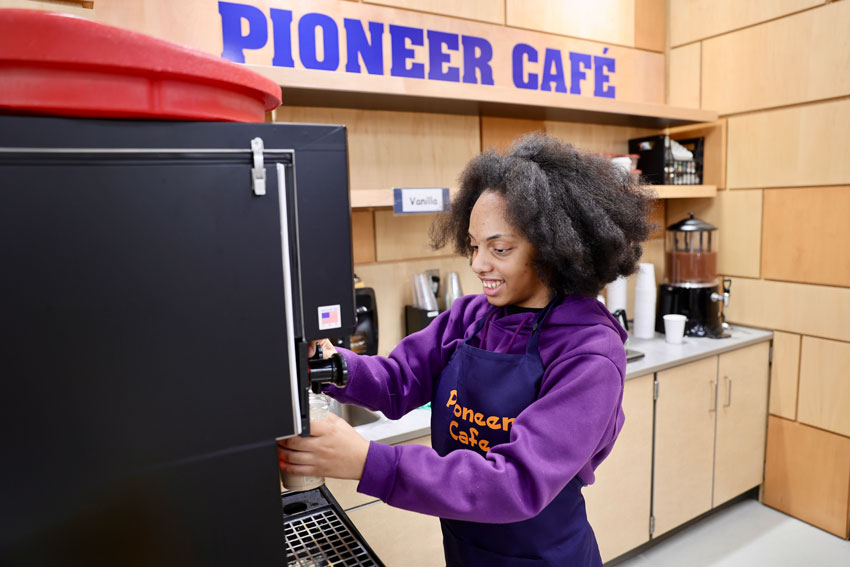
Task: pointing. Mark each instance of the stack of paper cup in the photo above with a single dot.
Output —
(616, 292)
(645, 293)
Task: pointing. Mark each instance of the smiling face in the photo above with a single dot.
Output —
(502, 256)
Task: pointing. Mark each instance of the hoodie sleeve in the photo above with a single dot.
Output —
(405, 380)
(551, 441)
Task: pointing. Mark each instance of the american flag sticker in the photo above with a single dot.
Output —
(329, 317)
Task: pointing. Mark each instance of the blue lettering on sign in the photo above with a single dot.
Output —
(523, 51)
(437, 58)
(245, 27)
(231, 30)
(307, 27)
(553, 72)
(358, 46)
(577, 75)
(600, 77)
(477, 54)
(399, 35)
(282, 28)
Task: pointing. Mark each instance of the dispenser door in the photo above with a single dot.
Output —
(145, 342)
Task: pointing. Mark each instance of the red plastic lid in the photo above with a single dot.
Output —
(54, 63)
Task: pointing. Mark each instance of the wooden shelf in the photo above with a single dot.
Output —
(365, 198)
(362, 92)
(377, 198)
(684, 191)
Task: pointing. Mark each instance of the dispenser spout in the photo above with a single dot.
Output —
(727, 285)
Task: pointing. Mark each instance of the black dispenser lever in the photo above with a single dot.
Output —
(333, 370)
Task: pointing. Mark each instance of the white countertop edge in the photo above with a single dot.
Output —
(661, 355)
(391, 431)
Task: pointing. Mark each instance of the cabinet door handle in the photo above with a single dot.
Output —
(728, 393)
(713, 400)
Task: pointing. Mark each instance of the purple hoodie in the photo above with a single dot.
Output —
(567, 431)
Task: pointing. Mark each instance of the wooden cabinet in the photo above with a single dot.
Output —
(710, 423)
(684, 443)
(618, 502)
(399, 537)
(741, 421)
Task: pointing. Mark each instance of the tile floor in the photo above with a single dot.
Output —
(747, 534)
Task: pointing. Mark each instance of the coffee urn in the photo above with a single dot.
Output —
(692, 288)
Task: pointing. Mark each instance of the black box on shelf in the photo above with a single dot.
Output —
(416, 318)
(658, 166)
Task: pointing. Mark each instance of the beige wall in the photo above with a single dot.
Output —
(779, 72)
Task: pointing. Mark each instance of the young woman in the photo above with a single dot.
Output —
(525, 380)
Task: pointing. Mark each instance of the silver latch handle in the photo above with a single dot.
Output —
(258, 172)
(288, 300)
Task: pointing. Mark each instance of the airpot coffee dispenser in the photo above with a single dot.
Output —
(692, 288)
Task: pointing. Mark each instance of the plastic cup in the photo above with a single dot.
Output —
(674, 328)
(319, 408)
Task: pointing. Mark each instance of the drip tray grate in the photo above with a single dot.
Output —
(323, 539)
(318, 534)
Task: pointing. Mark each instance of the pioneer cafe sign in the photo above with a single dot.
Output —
(349, 46)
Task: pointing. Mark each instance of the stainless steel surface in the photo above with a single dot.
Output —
(321, 539)
(633, 355)
(355, 416)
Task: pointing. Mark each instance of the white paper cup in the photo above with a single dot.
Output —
(674, 328)
(616, 292)
(319, 406)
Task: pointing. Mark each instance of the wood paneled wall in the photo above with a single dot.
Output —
(797, 146)
(742, 70)
(784, 375)
(398, 149)
(806, 235)
(806, 473)
(693, 20)
(82, 9)
(492, 11)
(684, 78)
(611, 21)
(777, 71)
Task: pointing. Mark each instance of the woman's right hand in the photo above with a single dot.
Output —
(328, 349)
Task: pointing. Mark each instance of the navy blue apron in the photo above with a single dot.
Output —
(493, 388)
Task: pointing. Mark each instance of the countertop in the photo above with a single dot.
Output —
(659, 355)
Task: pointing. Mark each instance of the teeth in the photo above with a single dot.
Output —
(492, 284)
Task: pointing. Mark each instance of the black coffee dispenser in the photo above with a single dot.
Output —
(692, 289)
(162, 282)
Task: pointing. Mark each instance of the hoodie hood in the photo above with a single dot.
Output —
(578, 324)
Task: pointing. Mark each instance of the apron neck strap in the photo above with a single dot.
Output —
(535, 327)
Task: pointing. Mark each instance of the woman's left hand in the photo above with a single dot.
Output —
(333, 450)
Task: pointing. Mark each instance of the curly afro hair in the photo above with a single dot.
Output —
(585, 216)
